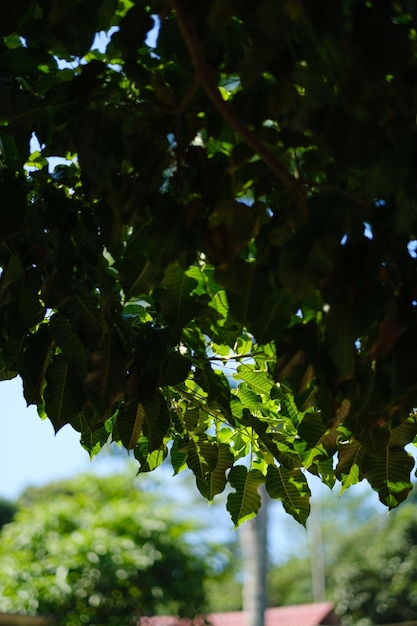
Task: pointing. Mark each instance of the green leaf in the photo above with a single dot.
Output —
(282, 449)
(105, 14)
(375, 439)
(249, 399)
(107, 373)
(389, 475)
(245, 502)
(388, 472)
(291, 487)
(274, 316)
(217, 479)
(287, 405)
(216, 386)
(324, 469)
(24, 309)
(68, 341)
(110, 253)
(220, 304)
(176, 302)
(288, 457)
(404, 433)
(348, 469)
(93, 439)
(12, 196)
(202, 456)
(13, 272)
(129, 423)
(206, 282)
(64, 394)
(175, 369)
(249, 291)
(6, 374)
(315, 443)
(24, 61)
(191, 419)
(157, 420)
(178, 456)
(81, 310)
(11, 351)
(148, 461)
(257, 380)
(32, 365)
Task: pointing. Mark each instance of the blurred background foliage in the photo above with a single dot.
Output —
(94, 551)
(91, 550)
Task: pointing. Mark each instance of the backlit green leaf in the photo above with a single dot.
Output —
(289, 486)
(257, 380)
(244, 502)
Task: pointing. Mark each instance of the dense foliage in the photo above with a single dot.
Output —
(7, 511)
(290, 583)
(370, 563)
(223, 270)
(88, 552)
(373, 574)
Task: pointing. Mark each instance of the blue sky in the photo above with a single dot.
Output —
(32, 454)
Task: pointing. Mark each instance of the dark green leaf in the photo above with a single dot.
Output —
(64, 394)
(107, 373)
(177, 304)
(68, 341)
(32, 365)
(129, 423)
(389, 475)
(157, 420)
(175, 369)
(24, 62)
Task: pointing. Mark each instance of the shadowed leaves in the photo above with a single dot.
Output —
(107, 373)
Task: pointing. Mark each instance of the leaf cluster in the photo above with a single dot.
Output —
(222, 269)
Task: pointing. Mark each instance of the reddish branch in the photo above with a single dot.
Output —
(204, 75)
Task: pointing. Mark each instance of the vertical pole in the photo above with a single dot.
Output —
(318, 576)
(253, 539)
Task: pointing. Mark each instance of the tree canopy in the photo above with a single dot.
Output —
(370, 563)
(87, 551)
(378, 586)
(222, 269)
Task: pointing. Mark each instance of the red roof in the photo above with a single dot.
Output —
(302, 615)
(299, 615)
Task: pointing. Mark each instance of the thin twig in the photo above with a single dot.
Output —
(217, 415)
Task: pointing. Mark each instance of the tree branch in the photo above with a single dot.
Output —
(204, 75)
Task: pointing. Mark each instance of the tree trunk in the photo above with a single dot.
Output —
(318, 576)
(253, 539)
